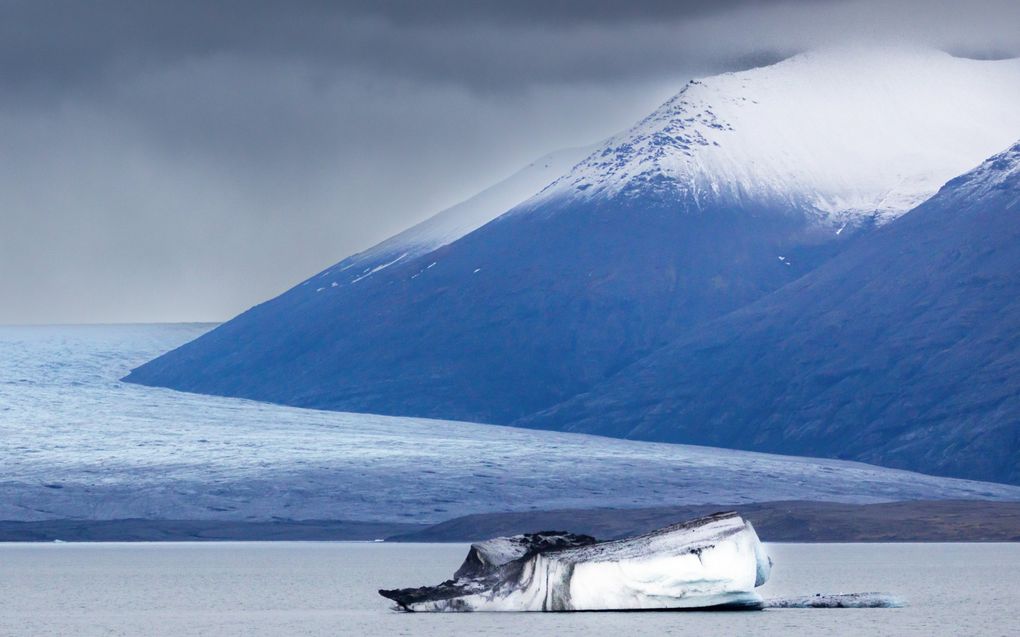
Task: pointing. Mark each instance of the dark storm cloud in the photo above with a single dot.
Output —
(53, 44)
(489, 43)
(186, 159)
(533, 12)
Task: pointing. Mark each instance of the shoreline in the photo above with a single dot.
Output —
(782, 521)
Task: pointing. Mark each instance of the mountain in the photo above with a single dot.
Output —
(848, 133)
(463, 218)
(902, 351)
(734, 188)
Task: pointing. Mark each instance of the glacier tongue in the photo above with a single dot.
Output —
(712, 562)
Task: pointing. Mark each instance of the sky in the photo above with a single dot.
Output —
(185, 160)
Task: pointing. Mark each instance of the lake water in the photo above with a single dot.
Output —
(329, 589)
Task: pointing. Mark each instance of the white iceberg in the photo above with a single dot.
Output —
(714, 562)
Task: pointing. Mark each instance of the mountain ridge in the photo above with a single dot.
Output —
(902, 351)
(777, 134)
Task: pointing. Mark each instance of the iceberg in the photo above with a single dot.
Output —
(714, 562)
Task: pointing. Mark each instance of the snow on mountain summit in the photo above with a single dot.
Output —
(849, 133)
(1000, 173)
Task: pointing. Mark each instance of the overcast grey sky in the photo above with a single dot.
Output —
(184, 160)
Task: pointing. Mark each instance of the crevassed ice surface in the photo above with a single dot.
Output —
(77, 442)
(849, 132)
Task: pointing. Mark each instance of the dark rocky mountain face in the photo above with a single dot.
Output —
(522, 314)
(902, 351)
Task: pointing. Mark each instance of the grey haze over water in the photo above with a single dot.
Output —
(183, 161)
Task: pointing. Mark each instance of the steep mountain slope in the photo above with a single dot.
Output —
(902, 351)
(728, 192)
(512, 318)
(467, 216)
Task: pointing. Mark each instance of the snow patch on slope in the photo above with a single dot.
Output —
(372, 270)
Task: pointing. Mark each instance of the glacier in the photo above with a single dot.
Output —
(77, 443)
(714, 562)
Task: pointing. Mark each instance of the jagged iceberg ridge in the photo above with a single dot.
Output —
(712, 562)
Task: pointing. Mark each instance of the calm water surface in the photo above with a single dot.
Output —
(329, 589)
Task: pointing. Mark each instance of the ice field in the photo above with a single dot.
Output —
(75, 442)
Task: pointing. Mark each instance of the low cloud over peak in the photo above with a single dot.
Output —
(185, 160)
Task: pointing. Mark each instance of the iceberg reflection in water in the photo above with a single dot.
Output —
(714, 562)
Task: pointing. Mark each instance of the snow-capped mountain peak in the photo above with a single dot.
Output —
(998, 173)
(848, 133)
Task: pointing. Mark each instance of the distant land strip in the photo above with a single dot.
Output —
(141, 530)
(787, 521)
